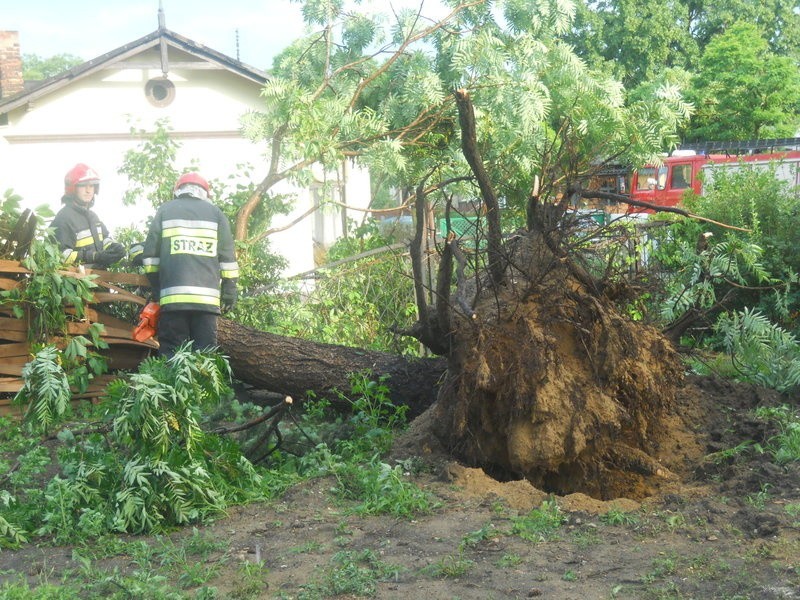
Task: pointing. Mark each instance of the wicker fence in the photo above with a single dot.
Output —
(123, 353)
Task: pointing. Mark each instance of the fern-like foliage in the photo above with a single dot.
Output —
(154, 493)
(11, 535)
(172, 471)
(764, 353)
(45, 389)
(703, 276)
(160, 405)
(149, 467)
(785, 445)
(46, 292)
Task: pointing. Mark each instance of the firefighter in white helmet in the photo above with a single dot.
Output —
(83, 238)
(190, 261)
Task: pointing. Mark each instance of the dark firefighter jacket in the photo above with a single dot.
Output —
(79, 232)
(189, 251)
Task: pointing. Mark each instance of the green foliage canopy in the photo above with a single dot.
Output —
(383, 91)
(35, 67)
(743, 90)
(637, 39)
(634, 40)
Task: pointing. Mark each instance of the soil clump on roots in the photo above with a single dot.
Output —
(552, 384)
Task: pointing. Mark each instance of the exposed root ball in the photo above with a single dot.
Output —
(553, 385)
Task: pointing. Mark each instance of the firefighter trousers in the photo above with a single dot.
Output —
(178, 326)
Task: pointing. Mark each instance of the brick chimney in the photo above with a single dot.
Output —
(10, 64)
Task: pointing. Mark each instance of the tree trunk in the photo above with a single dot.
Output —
(293, 367)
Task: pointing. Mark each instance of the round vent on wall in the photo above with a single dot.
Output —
(160, 91)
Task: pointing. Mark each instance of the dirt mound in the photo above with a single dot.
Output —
(707, 416)
(552, 384)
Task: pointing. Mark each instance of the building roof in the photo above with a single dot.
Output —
(163, 39)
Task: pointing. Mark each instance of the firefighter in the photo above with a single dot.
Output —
(80, 234)
(190, 261)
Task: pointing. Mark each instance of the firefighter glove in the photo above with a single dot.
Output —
(113, 253)
(229, 296)
(89, 256)
(135, 254)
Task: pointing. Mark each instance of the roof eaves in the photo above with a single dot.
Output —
(56, 82)
(201, 51)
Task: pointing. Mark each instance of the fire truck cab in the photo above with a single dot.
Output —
(665, 184)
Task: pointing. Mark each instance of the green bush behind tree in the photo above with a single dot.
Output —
(744, 279)
(768, 209)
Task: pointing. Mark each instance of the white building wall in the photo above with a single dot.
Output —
(90, 121)
(344, 197)
(36, 172)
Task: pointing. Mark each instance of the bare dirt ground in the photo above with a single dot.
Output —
(717, 527)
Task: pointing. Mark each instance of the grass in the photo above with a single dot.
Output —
(586, 537)
(473, 538)
(163, 570)
(381, 489)
(705, 574)
(662, 568)
(729, 454)
(793, 510)
(191, 564)
(450, 566)
(540, 524)
(760, 498)
(202, 545)
(669, 591)
(351, 572)
(785, 445)
(252, 581)
(195, 574)
(674, 521)
(616, 516)
(23, 591)
(509, 560)
(307, 548)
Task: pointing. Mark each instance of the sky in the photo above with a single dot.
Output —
(90, 28)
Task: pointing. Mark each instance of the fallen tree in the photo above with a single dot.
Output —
(547, 380)
(293, 367)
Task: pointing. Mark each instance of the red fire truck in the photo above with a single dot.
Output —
(665, 184)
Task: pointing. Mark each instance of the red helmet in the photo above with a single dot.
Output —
(193, 178)
(81, 174)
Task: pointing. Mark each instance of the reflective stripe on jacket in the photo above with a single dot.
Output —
(188, 253)
(73, 231)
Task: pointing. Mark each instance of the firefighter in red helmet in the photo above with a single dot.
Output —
(83, 238)
(190, 261)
